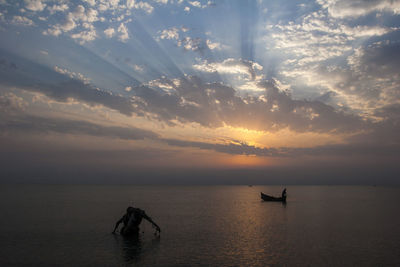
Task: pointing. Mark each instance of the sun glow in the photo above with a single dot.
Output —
(249, 161)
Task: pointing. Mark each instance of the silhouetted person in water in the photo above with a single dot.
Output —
(131, 220)
(284, 194)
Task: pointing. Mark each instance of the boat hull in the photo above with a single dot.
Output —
(271, 198)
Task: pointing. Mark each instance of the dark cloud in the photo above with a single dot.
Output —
(384, 132)
(389, 112)
(215, 105)
(192, 100)
(347, 150)
(7, 65)
(46, 161)
(230, 148)
(22, 161)
(209, 104)
(10, 103)
(75, 89)
(372, 75)
(337, 150)
(381, 59)
(39, 125)
(60, 87)
(34, 124)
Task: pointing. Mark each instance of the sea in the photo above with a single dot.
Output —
(71, 225)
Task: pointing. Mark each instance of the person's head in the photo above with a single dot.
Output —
(129, 209)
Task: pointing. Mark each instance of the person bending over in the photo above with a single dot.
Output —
(131, 221)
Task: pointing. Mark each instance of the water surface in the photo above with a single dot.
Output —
(201, 226)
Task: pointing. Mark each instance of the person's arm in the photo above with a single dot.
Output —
(151, 221)
(117, 224)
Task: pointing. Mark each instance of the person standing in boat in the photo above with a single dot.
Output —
(284, 194)
(131, 220)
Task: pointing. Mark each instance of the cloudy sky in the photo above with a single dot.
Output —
(178, 91)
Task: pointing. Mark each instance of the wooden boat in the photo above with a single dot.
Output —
(271, 198)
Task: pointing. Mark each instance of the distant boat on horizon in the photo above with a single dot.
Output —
(266, 197)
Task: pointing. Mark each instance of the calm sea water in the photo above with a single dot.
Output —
(201, 226)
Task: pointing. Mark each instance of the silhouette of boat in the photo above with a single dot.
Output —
(266, 197)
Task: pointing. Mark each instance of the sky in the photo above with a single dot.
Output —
(200, 92)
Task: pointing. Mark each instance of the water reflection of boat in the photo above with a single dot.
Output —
(266, 197)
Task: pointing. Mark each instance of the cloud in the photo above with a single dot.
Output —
(145, 6)
(77, 15)
(326, 53)
(34, 5)
(357, 8)
(199, 5)
(130, 3)
(215, 105)
(57, 29)
(72, 89)
(140, 5)
(337, 150)
(85, 93)
(10, 102)
(384, 132)
(80, 13)
(365, 31)
(72, 75)
(318, 38)
(172, 33)
(90, 2)
(19, 123)
(57, 8)
(371, 79)
(22, 21)
(231, 66)
(109, 32)
(85, 36)
(242, 74)
(138, 68)
(229, 148)
(187, 42)
(35, 124)
(190, 100)
(389, 112)
(69, 24)
(123, 33)
(193, 44)
(81, 16)
(378, 59)
(112, 5)
(6, 65)
(195, 3)
(26, 124)
(212, 46)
